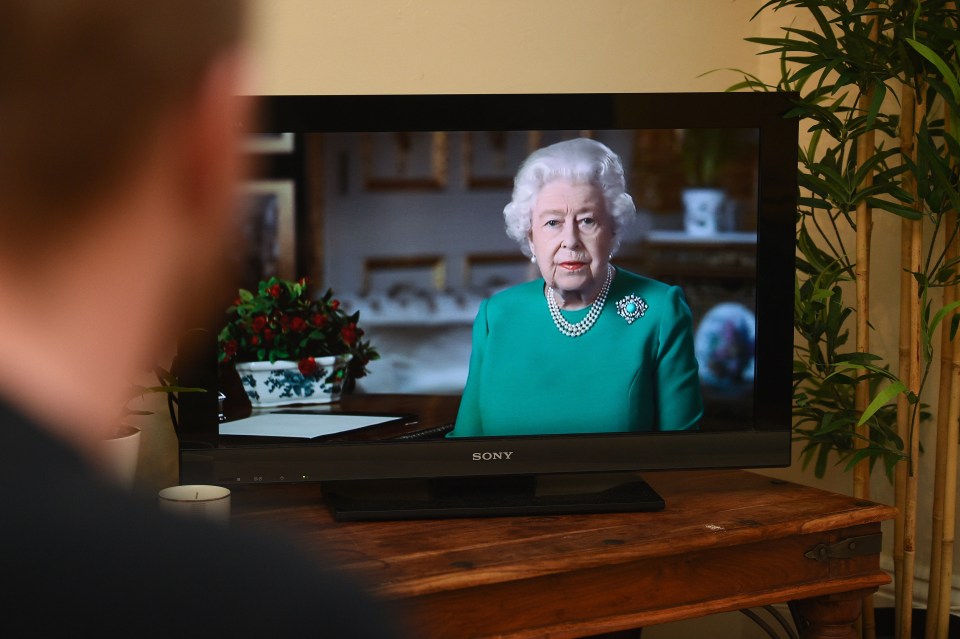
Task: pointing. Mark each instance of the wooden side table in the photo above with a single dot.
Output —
(727, 540)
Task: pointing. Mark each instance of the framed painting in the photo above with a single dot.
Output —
(395, 273)
(404, 161)
(491, 158)
(269, 143)
(268, 231)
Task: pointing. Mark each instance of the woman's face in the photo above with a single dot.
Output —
(571, 235)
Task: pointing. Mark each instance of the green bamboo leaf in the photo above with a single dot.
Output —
(938, 317)
(944, 92)
(811, 36)
(948, 75)
(863, 453)
(862, 358)
(879, 93)
(882, 398)
(748, 84)
(765, 6)
(897, 209)
(823, 455)
(814, 203)
(946, 276)
(822, 21)
(875, 162)
(870, 369)
(821, 294)
(829, 424)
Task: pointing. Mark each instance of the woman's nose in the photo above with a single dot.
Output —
(571, 237)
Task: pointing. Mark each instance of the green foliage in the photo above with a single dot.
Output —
(703, 152)
(282, 321)
(829, 67)
(168, 384)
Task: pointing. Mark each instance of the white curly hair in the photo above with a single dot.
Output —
(579, 161)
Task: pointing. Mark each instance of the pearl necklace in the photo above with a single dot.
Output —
(584, 325)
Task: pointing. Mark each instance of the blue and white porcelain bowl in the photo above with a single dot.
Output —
(281, 383)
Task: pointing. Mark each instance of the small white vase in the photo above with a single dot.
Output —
(281, 383)
(703, 209)
(121, 454)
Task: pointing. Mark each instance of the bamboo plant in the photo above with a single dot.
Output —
(878, 92)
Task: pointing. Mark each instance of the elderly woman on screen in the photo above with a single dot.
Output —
(589, 347)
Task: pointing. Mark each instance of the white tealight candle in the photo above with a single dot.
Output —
(207, 502)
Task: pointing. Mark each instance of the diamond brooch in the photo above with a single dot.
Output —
(631, 307)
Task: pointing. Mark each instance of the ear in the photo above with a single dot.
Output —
(213, 126)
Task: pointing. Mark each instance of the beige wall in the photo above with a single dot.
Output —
(451, 46)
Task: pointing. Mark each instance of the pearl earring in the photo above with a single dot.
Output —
(533, 259)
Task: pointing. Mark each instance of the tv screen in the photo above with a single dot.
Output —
(396, 204)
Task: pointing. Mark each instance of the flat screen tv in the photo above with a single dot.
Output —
(395, 202)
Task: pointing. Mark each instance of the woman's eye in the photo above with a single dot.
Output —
(587, 221)
(552, 223)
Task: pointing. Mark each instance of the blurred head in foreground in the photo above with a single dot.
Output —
(119, 137)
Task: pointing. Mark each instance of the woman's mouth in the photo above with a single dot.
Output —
(572, 266)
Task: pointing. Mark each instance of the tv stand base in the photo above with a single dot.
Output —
(373, 500)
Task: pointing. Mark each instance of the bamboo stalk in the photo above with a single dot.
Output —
(861, 472)
(866, 147)
(945, 480)
(910, 499)
(945, 485)
(903, 415)
(948, 403)
(903, 406)
(913, 113)
(944, 400)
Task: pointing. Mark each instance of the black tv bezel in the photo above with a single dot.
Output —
(764, 444)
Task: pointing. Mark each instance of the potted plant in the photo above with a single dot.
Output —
(289, 347)
(121, 449)
(878, 94)
(703, 153)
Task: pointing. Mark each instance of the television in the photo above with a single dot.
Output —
(395, 201)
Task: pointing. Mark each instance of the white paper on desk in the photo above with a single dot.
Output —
(304, 425)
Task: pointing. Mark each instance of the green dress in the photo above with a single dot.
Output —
(527, 378)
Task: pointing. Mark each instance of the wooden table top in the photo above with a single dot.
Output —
(742, 526)
(727, 539)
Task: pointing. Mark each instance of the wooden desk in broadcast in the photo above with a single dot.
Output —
(727, 540)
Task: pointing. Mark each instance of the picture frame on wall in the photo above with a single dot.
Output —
(269, 143)
(405, 272)
(539, 139)
(404, 161)
(268, 231)
(491, 159)
(490, 271)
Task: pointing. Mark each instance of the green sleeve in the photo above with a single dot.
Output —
(678, 380)
(468, 418)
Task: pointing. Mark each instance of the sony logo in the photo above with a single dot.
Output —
(491, 456)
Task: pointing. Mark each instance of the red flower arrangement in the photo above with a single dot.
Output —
(282, 322)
